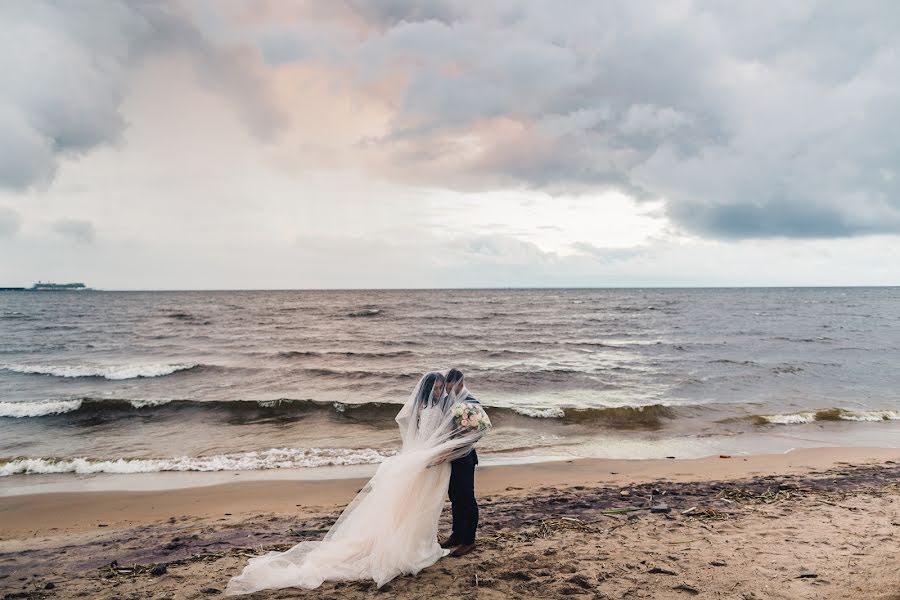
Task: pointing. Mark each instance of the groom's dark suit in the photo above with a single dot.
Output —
(462, 493)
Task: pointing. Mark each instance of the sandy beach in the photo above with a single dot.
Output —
(807, 524)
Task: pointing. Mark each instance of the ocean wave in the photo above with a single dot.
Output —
(366, 312)
(340, 374)
(540, 413)
(43, 408)
(379, 414)
(275, 458)
(486, 353)
(649, 416)
(17, 315)
(239, 411)
(113, 372)
(829, 414)
(181, 316)
(322, 353)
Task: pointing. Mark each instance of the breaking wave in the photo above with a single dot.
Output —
(830, 414)
(540, 413)
(114, 372)
(285, 409)
(275, 458)
(18, 410)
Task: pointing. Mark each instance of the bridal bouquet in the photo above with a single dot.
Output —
(469, 415)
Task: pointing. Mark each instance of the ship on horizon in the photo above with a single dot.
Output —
(46, 286)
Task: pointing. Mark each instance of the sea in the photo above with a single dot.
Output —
(95, 384)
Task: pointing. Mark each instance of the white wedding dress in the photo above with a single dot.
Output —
(390, 528)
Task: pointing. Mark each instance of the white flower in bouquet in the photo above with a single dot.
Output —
(468, 415)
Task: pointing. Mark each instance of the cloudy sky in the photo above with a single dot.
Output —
(366, 143)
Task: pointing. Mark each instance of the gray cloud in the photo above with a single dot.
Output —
(749, 121)
(76, 230)
(66, 70)
(10, 222)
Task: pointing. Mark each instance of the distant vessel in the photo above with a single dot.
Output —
(41, 286)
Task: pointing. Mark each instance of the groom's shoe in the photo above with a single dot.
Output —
(462, 550)
(450, 542)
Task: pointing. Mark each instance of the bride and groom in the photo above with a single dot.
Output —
(391, 527)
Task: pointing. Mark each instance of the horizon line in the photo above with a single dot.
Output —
(464, 288)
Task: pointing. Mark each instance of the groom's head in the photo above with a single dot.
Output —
(455, 381)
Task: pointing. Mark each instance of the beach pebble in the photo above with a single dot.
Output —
(684, 587)
(50, 585)
(158, 570)
(660, 508)
(661, 571)
(718, 563)
(807, 574)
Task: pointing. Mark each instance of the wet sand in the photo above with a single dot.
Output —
(808, 524)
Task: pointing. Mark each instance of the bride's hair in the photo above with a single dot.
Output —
(431, 379)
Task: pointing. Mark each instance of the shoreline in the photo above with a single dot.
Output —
(57, 513)
(807, 524)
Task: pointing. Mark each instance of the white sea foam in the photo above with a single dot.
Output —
(275, 458)
(872, 415)
(115, 372)
(43, 408)
(148, 403)
(791, 419)
(540, 413)
(842, 415)
(18, 410)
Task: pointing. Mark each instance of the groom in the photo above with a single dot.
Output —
(462, 481)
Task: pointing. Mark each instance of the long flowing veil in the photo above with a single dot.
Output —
(390, 527)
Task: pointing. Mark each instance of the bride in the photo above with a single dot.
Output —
(390, 528)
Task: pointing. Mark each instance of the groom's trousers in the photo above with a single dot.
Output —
(462, 498)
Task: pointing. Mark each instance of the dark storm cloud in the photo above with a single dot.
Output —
(66, 67)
